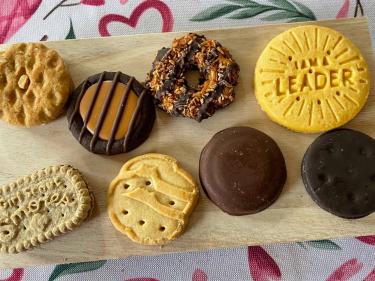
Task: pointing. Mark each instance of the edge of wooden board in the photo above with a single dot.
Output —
(39, 258)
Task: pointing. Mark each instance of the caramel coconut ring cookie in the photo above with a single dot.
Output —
(111, 113)
(311, 79)
(36, 208)
(219, 74)
(34, 84)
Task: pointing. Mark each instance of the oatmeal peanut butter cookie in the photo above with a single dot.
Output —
(151, 199)
(218, 70)
(34, 84)
(41, 206)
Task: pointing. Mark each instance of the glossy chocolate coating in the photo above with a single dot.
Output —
(242, 170)
(140, 124)
(338, 171)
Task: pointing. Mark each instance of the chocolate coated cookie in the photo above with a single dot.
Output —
(218, 71)
(242, 170)
(338, 171)
(111, 113)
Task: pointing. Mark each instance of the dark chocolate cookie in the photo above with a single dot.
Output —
(110, 113)
(242, 170)
(338, 171)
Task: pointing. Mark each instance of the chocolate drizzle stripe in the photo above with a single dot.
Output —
(103, 113)
(78, 102)
(119, 114)
(133, 120)
(91, 106)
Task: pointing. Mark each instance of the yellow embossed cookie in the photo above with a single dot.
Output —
(311, 79)
(151, 199)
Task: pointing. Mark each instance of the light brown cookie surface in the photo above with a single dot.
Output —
(34, 84)
(41, 206)
(151, 199)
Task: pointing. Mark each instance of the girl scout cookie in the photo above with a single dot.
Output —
(111, 113)
(311, 79)
(242, 170)
(338, 171)
(41, 206)
(151, 199)
(34, 84)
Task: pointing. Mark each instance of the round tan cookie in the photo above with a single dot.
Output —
(151, 199)
(311, 79)
(34, 84)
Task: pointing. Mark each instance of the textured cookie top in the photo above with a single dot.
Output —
(151, 199)
(34, 84)
(218, 71)
(311, 79)
(338, 171)
(38, 207)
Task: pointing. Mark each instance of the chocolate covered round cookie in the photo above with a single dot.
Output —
(111, 113)
(242, 170)
(338, 171)
(218, 72)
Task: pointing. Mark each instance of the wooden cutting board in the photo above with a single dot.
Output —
(294, 216)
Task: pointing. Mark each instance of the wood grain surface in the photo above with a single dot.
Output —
(293, 217)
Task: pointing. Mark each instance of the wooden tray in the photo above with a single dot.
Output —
(294, 216)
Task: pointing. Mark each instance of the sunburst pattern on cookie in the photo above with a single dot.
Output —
(151, 199)
(34, 84)
(311, 79)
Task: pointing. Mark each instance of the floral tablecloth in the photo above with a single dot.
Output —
(332, 260)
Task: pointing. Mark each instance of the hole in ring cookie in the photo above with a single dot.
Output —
(141, 222)
(126, 186)
(162, 228)
(171, 203)
(148, 182)
(298, 98)
(125, 212)
(290, 58)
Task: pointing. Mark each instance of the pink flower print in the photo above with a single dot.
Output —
(343, 13)
(346, 271)
(367, 239)
(132, 20)
(14, 14)
(199, 275)
(93, 2)
(16, 275)
(262, 265)
(370, 276)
